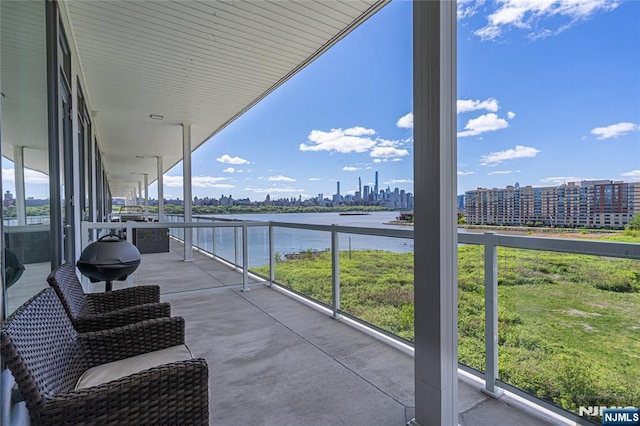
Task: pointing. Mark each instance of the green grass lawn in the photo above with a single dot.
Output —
(569, 325)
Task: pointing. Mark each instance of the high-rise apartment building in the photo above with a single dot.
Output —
(593, 204)
(337, 197)
(375, 188)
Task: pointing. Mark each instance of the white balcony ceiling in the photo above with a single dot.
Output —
(202, 62)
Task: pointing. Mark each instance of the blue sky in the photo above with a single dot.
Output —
(548, 92)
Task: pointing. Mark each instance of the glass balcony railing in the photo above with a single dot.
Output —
(376, 281)
(552, 320)
(568, 327)
(302, 262)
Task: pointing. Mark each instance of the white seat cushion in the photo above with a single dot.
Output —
(125, 367)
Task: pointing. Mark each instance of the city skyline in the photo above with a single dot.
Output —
(546, 95)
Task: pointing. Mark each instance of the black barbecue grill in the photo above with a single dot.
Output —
(108, 259)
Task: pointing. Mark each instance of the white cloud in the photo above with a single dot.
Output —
(315, 178)
(397, 181)
(500, 172)
(377, 160)
(531, 15)
(388, 152)
(198, 181)
(229, 170)
(519, 151)
(511, 115)
(559, 180)
(30, 176)
(406, 121)
(350, 168)
(173, 181)
(466, 105)
(632, 175)
(209, 182)
(615, 130)
(354, 139)
(387, 142)
(280, 178)
(468, 8)
(485, 123)
(227, 159)
(287, 190)
(463, 173)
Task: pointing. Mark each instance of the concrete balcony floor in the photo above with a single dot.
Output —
(274, 360)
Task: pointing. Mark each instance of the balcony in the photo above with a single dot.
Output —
(277, 336)
(278, 356)
(276, 359)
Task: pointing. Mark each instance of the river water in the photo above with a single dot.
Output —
(289, 240)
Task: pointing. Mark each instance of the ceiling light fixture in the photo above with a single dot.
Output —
(156, 116)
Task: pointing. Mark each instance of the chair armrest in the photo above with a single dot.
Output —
(122, 317)
(175, 393)
(123, 298)
(100, 347)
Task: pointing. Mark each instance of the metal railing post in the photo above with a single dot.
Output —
(85, 232)
(129, 239)
(245, 257)
(235, 247)
(272, 271)
(213, 238)
(335, 272)
(491, 315)
(198, 236)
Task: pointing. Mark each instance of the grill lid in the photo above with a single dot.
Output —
(110, 250)
(110, 258)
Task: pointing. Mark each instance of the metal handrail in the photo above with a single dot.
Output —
(490, 240)
(561, 245)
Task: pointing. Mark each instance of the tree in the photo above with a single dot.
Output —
(634, 223)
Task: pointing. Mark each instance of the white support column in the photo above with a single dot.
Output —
(18, 167)
(160, 168)
(94, 180)
(435, 248)
(146, 194)
(186, 189)
(94, 167)
(139, 199)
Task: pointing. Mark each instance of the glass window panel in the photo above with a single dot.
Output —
(23, 78)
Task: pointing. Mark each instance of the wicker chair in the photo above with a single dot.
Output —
(50, 360)
(100, 311)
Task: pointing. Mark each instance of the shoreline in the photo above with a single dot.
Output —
(532, 231)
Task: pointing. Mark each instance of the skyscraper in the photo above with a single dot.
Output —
(375, 188)
(337, 197)
(360, 185)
